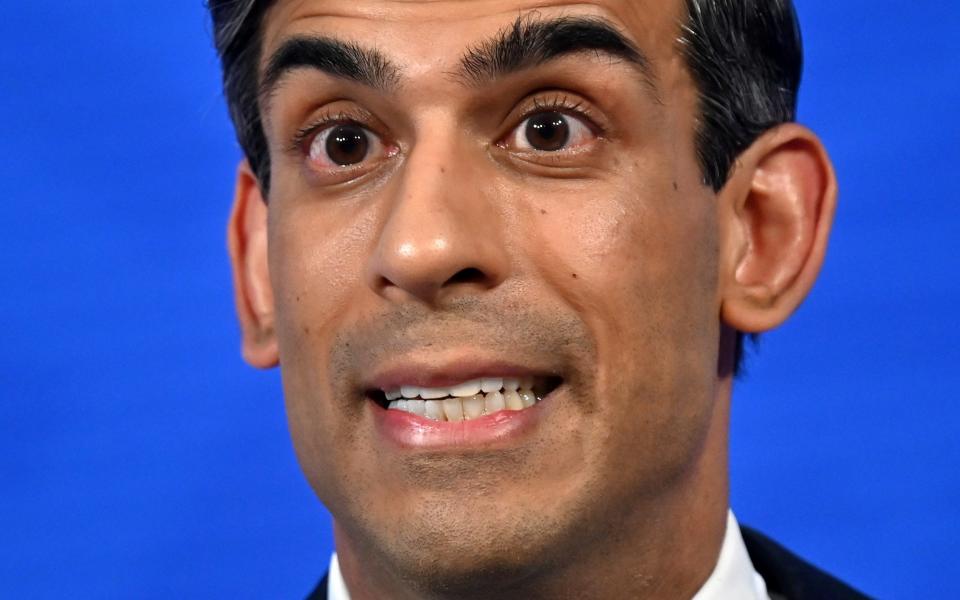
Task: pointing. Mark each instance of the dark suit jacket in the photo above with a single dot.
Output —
(788, 577)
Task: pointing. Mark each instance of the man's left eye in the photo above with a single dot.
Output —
(550, 131)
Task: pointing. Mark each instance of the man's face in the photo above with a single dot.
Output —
(435, 224)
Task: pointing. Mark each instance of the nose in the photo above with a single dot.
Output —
(443, 234)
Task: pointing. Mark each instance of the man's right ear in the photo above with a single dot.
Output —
(247, 243)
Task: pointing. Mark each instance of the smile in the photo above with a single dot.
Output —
(469, 400)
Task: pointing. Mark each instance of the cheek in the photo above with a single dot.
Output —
(640, 254)
(640, 267)
(638, 261)
(317, 249)
(315, 254)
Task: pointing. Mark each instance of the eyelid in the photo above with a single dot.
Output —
(302, 138)
(317, 166)
(565, 103)
(375, 146)
(562, 102)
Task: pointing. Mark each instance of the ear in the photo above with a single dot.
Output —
(247, 243)
(776, 214)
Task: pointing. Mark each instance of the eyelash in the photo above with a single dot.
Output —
(304, 135)
(563, 104)
(560, 103)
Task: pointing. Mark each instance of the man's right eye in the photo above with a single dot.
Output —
(343, 145)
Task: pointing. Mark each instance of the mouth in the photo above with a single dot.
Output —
(467, 400)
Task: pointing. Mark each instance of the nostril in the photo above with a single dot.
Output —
(469, 275)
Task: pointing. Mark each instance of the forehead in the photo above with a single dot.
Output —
(435, 31)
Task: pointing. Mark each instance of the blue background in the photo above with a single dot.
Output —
(139, 457)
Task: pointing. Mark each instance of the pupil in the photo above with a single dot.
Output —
(347, 145)
(548, 131)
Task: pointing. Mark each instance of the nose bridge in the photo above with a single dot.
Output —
(441, 231)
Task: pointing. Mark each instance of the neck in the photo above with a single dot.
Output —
(665, 549)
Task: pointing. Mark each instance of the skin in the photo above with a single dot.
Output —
(609, 264)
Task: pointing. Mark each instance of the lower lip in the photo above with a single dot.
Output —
(414, 432)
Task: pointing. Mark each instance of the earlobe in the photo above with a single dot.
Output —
(777, 213)
(247, 244)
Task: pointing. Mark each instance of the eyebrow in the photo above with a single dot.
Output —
(345, 60)
(529, 42)
(532, 41)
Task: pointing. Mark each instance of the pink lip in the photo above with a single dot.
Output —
(409, 431)
(450, 373)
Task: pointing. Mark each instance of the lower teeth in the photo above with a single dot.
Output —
(465, 409)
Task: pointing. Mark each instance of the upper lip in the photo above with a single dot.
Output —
(445, 374)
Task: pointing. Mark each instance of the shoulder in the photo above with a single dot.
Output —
(789, 577)
(319, 592)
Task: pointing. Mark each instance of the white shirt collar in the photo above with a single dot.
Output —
(336, 586)
(732, 577)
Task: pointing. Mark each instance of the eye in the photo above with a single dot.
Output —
(343, 145)
(550, 131)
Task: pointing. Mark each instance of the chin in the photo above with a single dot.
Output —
(475, 549)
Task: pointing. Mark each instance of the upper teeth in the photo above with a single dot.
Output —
(461, 390)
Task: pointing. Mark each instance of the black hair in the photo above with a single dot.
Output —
(745, 56)
(237, 35)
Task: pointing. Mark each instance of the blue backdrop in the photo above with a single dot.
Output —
(140, 458)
